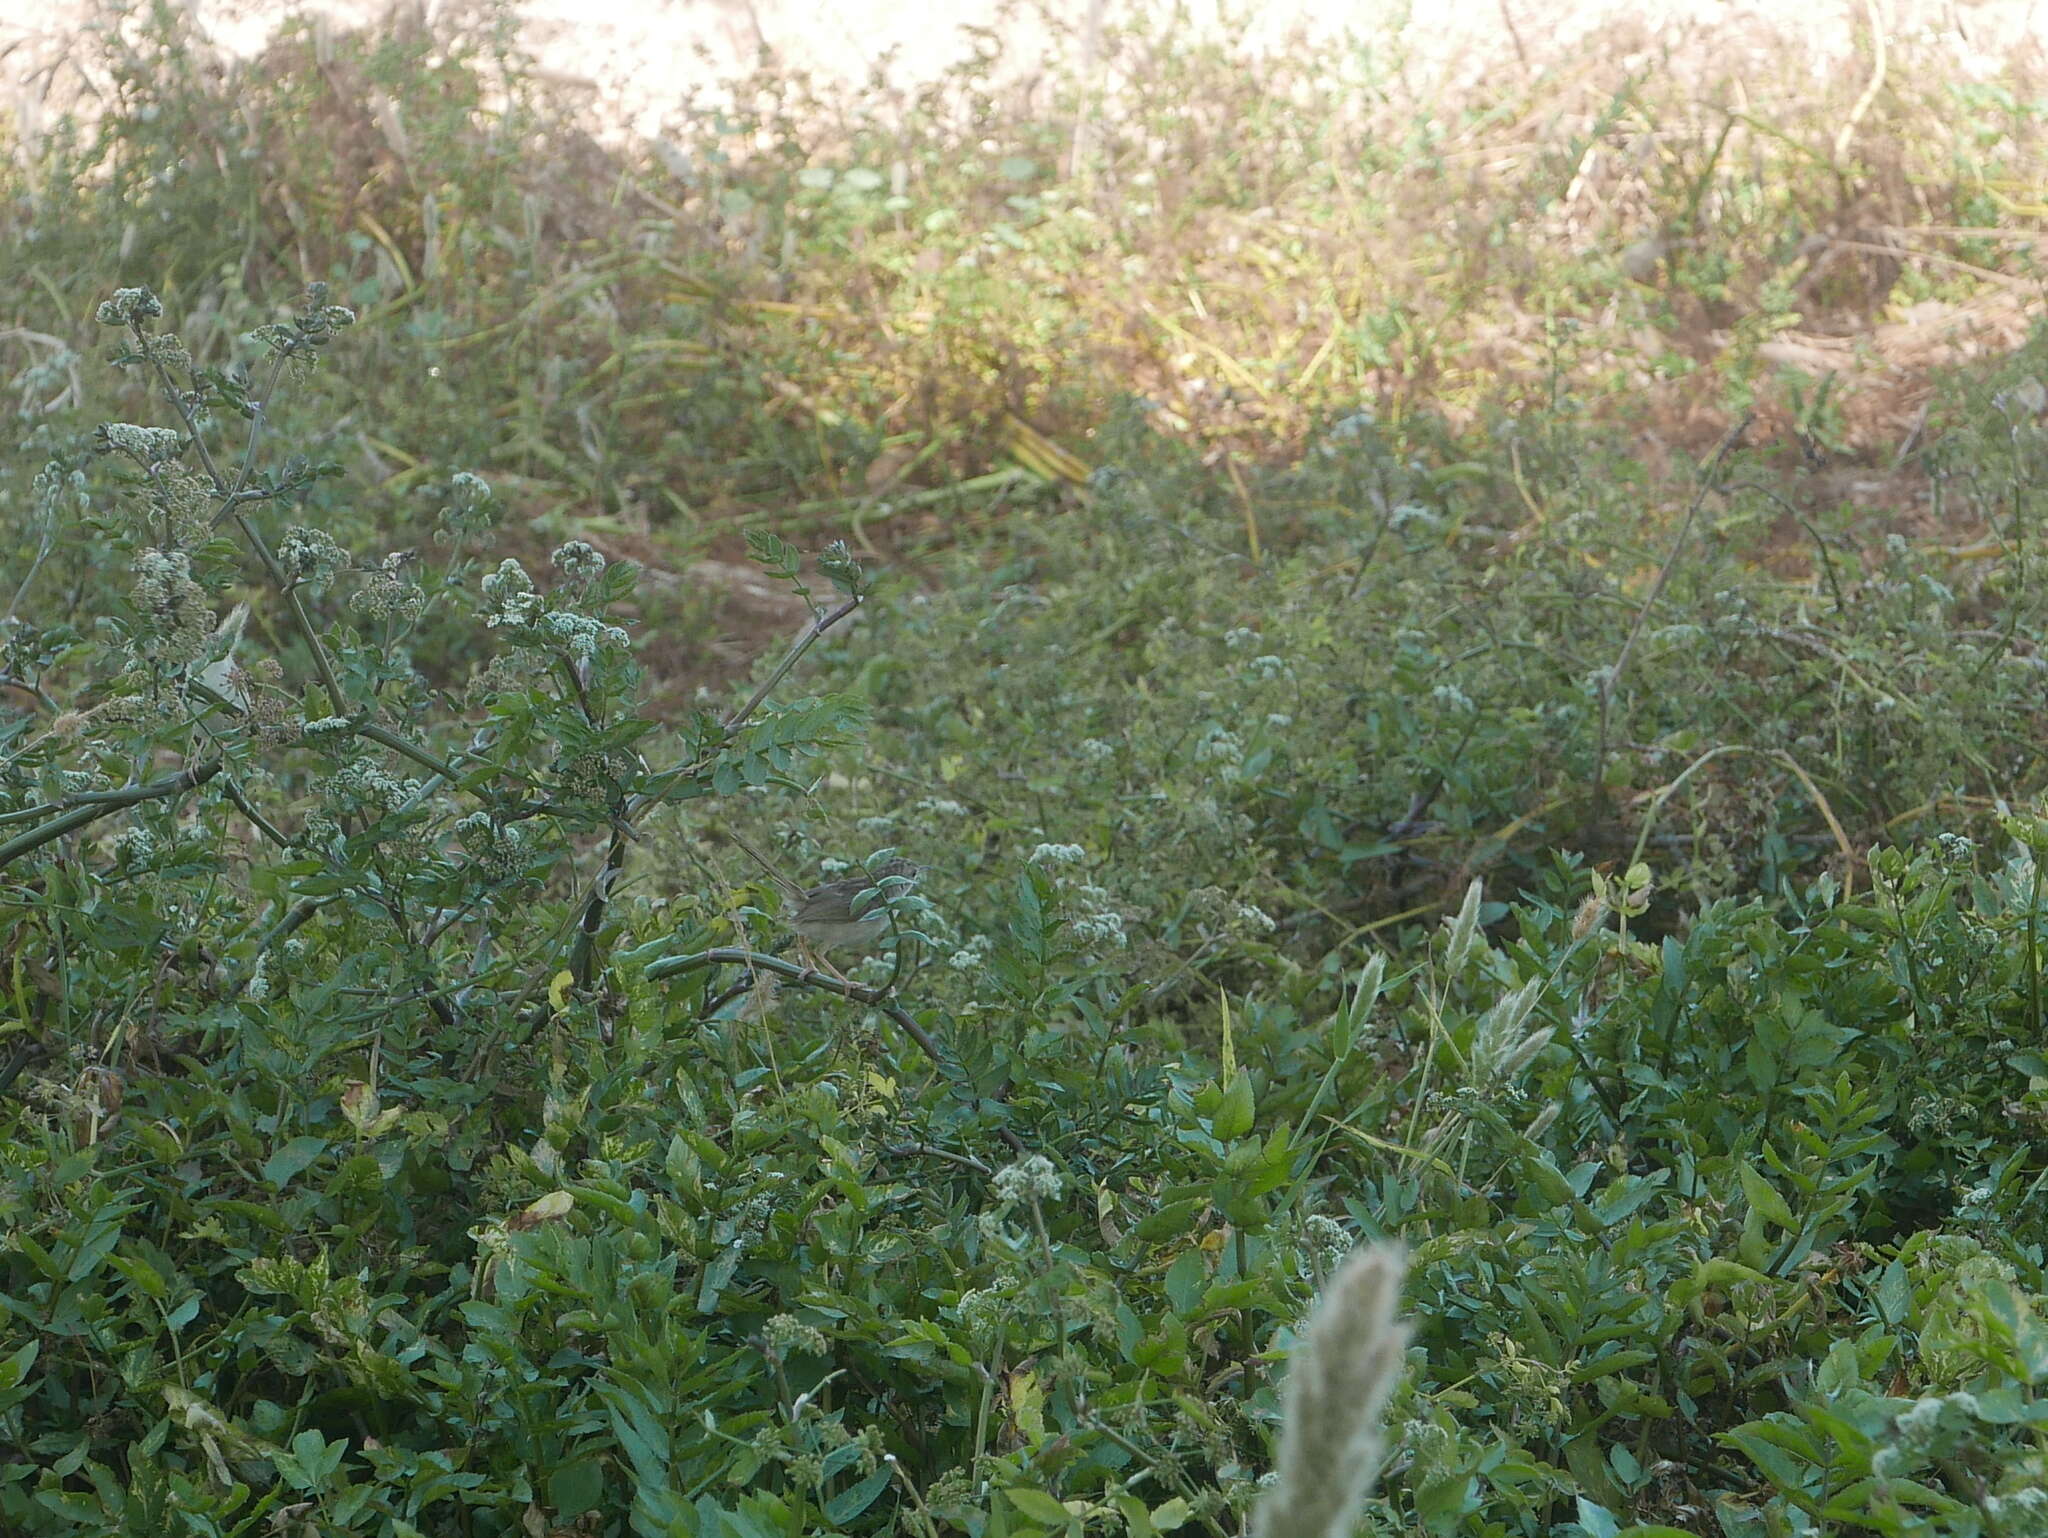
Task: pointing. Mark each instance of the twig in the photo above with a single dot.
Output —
(232, 496)
(798, 647)
(33, 690)
(263, 825)
(582, 957)
(406, 748)
(1080, 148)
(1507, 17)
(911, 1150)
(1827, 560)
(1612, 680)
(1847, 134)
(803, 977)
(1777, 755)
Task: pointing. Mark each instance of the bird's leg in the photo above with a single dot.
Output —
(817, 961)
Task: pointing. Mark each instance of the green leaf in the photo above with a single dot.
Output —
(848, 1504)
(1137, 1522)
(1583, 1457)
(1444, 1501)
(144, 1275)
(575, 1488)
(1893, 1295)
(1037, 1505)
(1171, 1219)
(1764, 1197)
(1186, 1279)
(1171, 1514)
(1233, 1118)
(291, 1159)
(69, 1464)
(1614, 1362)
(1548, 1179)
(716, 1275)
(14, 1368)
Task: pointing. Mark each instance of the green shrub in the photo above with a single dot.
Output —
(407, 1123)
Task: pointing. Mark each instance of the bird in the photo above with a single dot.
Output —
(848, 914)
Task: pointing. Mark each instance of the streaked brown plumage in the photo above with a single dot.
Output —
(838, 917)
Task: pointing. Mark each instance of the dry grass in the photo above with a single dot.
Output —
(668, 345)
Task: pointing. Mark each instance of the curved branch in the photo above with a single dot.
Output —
(798, 647)
(803, 977)
(90, 806)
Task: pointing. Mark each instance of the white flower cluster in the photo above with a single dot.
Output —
(147, 446)
(1212, 902)
(510, 593)
(500, 850)
(468, 510)
(321, 832)
(128, 304)
(581, 636)
(970, 956)
(1031, 1178)
(327, 732)
(1266, 668)
(1104, 930)
(1323, 1241)
(177, 621)
(515, 604)
(1057, 854)
(580, 564)
(1097, 923)
(366, 786)
(2024, 1513)
(983, 1310)
(786, 1333)
(1452, 698)
(54, 485)
(135, 846)
(1218, 746)
(1094, 750)
(388, 594)
(167, 348)
(1930, 1426)
(310, 555)
(1955, 847)
(599, 773)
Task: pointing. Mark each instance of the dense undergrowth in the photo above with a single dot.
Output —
(1413, 729)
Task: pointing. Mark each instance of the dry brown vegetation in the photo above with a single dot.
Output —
(1663, 229)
